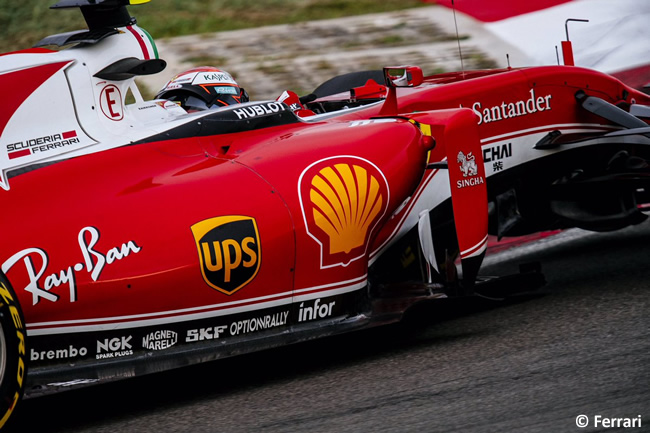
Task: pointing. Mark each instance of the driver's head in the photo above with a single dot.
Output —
(203, 88)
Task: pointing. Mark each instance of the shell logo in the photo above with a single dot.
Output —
(342, 200)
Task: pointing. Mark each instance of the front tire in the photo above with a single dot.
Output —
(13, 358)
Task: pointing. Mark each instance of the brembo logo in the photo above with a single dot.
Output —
(229, 251)
(342, 199)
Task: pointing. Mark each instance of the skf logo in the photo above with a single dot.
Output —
(342, 199)
(229, 251)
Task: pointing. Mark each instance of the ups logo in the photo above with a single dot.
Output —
(229, 251)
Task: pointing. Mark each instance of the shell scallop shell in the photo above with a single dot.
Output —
(346, 200)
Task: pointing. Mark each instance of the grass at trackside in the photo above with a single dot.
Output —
(25, 22)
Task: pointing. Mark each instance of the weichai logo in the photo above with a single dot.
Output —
(342, 199)
(229, 251)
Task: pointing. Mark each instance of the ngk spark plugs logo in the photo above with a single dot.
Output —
(114, 347)
(342, 200)
(229, 251)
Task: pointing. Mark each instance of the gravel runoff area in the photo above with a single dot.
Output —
(299, 57)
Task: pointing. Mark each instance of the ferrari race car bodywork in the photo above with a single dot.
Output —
(137, 237)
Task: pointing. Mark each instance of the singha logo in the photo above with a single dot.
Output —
(467, 164)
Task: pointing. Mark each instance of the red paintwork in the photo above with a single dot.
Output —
(28, 80)
(497, 87)
(635, 77)
(495, 10)
(315, 226)
(141, 237)
(29, 51)
(153, 193)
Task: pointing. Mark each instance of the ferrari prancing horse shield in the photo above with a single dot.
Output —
(229, 251)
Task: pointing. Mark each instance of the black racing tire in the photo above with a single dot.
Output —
(13, 351)
(345, 82)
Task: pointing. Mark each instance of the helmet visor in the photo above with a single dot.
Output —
(189, 102)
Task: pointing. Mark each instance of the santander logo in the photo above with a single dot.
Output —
(508, 110)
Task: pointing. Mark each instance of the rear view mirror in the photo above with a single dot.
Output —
(403, 76)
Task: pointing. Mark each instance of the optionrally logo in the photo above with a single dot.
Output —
(342, 199)
(229, 251)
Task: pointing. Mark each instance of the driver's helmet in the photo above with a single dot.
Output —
(202, 88)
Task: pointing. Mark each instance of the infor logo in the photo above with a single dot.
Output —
(229, 251)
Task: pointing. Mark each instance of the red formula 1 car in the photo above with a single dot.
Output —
(138, 237)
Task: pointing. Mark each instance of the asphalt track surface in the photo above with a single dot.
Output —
(580, 346)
